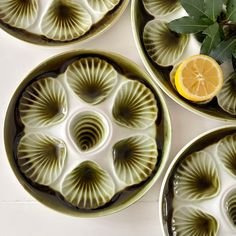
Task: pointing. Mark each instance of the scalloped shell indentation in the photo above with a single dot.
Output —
(87, 130)
(19, 13)
(102, 5)
(161, 7)
(227, 96)
(41, 157)
(43, 103)
(88, 186)
(65, 20)
(135, 158)
(92, 79)
(162, 45)
(191, 221)
(226, 151)
(135, 106)
(230, 204)
(197, 177)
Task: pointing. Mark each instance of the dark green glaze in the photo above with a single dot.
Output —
(19, 13)
(43, 103)
(41, 158)
(227, 95)
(230, 207)
(135, 106)
(70, 21)
(162, 45)
(191, 221)
(227, 154)
(168, 190)
(93, 185)
(135, 158)
(102, 5)
(161, 7)
(87, 130)
(197, 177)
(160, 75)
(13, 129)
(96, 29)
(91, 79)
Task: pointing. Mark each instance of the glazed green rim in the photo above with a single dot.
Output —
(113, 17)
(9, 132)
(174, 162)
(156, 76)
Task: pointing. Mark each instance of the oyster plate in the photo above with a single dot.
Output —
(199, 187)
(58, 22)
(161, 51)
(87, 133)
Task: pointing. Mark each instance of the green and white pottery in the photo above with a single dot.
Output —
(79, 140)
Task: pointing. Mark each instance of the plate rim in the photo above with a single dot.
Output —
(156, 80)
(166, 145)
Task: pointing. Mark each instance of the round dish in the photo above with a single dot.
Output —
(141, 19)
(200, 182)
(72, 21)
(85, 134)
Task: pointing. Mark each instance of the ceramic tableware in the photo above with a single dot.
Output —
(87, 133)
(58, 22)
(198, 191)
(162, 51)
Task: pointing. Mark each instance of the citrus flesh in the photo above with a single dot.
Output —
(199, 78)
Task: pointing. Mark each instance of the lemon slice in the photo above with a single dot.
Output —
(199, 78)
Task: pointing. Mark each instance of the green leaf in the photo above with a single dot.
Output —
(194, 7)
(231, 10)
(213, 38)
(223, 51)
(234, 53)
(213, 8)
(189, 24)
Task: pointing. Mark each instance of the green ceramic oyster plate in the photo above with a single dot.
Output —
(87, 133)
(162, 50)
(198, 194)
(58, 22)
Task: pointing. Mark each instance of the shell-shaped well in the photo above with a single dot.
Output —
(88, 186)
(19, 13)
(191, 221)
(43, 103)
(92, 79)
(102, 5)
(230, 207)
(226, 151)
(88, 131)
(227, 95)
(162, 45)
(41, 157)
(196, 177)
(161, 7)
(65, 20)
(135, 158)
(135, 106)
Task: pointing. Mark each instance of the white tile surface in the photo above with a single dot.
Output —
(20, 215)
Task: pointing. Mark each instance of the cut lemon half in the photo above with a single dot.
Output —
(199, 78)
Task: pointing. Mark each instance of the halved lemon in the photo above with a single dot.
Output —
(199, 78)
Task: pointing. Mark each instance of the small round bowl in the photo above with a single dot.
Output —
(91, 130)
(96, 21)
(198, 183)
(139, 18)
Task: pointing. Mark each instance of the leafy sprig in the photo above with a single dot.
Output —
(215, 20)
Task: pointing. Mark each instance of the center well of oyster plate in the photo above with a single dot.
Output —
(89, 131)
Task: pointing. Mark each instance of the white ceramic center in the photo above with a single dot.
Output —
(89, 131)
